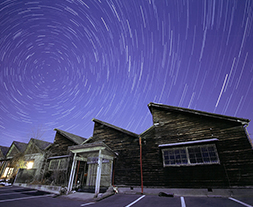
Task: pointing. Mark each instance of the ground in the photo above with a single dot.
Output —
(15, 196)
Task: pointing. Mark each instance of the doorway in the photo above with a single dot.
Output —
(81, 175)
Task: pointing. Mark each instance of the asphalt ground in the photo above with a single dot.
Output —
(122, 200)
(13, 196)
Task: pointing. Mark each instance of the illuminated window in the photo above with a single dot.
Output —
(190, 155)
(29, 165)
(8, 172)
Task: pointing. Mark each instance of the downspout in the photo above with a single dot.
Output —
(141, 164)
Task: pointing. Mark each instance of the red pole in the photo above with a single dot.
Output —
(141, 165)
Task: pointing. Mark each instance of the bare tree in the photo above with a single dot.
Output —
(37, 132)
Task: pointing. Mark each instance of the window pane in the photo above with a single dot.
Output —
(214, 159)
(175, 156)
(202, 154)
(193, 160)
(63, 164)
(53, 164)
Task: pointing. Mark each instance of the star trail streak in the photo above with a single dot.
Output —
(64, 62)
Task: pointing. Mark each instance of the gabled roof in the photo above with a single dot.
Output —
(4, 150)
(72, 137)
(39, 144)
(116, 128)
(42, 145)
(147, 130)
(21, 146)
(202, 113)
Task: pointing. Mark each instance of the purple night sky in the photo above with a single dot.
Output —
(64, 62)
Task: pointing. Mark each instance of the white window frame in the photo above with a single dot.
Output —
(189, 163)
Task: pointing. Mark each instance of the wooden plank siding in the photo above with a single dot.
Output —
(60, 145)
(233, 146)
(127, 164)
(58, 148)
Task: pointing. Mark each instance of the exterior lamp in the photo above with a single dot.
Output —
(29, 165)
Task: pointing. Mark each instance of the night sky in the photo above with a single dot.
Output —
(64, 62)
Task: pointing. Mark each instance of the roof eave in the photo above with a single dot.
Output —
(202, 113)
(116, 128)
(67, 136)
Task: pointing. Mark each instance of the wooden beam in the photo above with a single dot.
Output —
(99, 169)
(71, 177)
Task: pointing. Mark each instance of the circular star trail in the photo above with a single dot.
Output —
(64, 62)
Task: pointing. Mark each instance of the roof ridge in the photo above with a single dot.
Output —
(199, 112)
(75, 138)
(41, 144)
(115, 127)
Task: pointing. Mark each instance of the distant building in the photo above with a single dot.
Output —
(3, 152)
(12, 158)
(33, 159)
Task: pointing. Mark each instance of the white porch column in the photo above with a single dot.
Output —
(72, 173)
(99, 169)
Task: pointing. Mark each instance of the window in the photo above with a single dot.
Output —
(58, 164)
(8, 172)
(53, 164)
(62, 164)
(190, 155)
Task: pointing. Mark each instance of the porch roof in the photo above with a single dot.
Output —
(91, 147)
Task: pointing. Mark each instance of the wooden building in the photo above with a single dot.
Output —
(110, 151)
(3, 153)
(13, 161)
(33, 158)
(194, 149)
(184, 148)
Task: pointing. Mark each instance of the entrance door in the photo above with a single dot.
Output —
(81, 175)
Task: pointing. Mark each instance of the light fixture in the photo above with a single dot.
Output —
(29, 165)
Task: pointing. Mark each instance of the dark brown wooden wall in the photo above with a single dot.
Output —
(60, 145)
(235, 152)
(58, 148)
(127, 164)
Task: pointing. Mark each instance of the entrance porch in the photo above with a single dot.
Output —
(92, 167)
